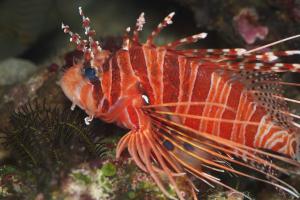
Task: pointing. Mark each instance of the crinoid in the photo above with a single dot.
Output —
(46, 141)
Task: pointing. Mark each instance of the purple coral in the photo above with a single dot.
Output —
(246, 24)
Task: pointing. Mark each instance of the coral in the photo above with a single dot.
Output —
(109, 169)
(134, 184)
(225, 196)
(112, 181)
(42, 138)
(247, 26)
(98, 184)
(12, 185)
(41, 134)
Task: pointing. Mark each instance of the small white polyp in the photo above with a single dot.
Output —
(87, 120)
(73, 106)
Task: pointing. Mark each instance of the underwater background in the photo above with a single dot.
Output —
(46, 150)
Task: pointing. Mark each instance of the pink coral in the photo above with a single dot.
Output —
(247, 26)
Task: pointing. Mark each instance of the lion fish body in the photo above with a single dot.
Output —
(189, 112)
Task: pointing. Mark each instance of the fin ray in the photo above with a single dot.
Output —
(228, 143)
(202, 147)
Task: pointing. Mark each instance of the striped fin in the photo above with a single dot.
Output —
(262, 125)
(234, 60)
(261, 67)
(238, 52)
(270, 56)
(138, 27)
(89, 46)
(267, 90)
(186, 40)
(152, 157)
(198, 152)
(212, 52)
(194, 150)
(167, 21)
(223, 55)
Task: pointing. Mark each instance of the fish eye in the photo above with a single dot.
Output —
(90, 73)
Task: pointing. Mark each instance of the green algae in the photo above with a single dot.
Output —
(109, 169)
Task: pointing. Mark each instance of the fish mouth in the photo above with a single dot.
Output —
(71, 84)
(72, 95)
(78, 90)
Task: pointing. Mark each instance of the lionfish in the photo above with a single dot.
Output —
(189, 111)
